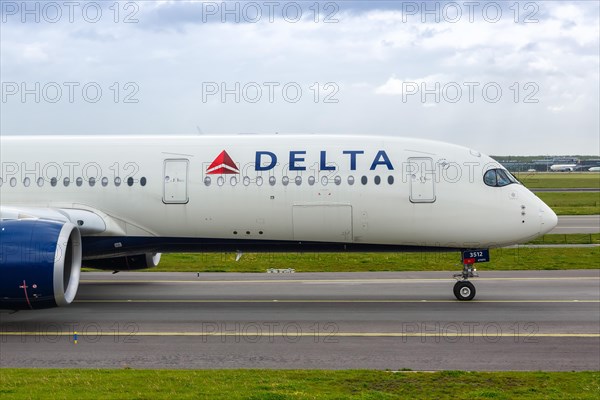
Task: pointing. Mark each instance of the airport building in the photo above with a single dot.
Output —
(543, 165)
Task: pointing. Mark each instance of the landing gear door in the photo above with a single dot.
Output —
(175, 178)
(422, 180)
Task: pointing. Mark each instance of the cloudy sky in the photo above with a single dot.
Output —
(502, 77)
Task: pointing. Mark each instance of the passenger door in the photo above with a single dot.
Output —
(422, 180)
(175, 178)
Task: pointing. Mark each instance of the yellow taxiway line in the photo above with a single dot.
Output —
(120, 301)
(321, 281)
(311, 334)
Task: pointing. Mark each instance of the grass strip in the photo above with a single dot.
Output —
(294, 384)
(559, 180)
(572, 238)
(572, 203)
(501, 260)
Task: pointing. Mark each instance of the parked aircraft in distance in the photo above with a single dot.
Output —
(563, 167)
(594, 169)
(118, 202)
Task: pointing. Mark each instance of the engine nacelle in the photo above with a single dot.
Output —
(127, 263)
(40, 263)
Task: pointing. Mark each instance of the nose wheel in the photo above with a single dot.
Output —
(464, 290)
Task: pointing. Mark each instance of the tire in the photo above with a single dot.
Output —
(464, 290)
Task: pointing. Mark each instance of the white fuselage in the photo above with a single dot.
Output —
(563, 167)
(350, 190)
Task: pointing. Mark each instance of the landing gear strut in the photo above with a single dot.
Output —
(463, 288)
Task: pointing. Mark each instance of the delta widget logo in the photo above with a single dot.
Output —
(223, 164)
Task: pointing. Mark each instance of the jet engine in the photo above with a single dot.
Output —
(40, 263)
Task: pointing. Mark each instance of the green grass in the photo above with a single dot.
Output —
(501, 259)
(294, 384)
(573, 238)
(559, 180)
(572, 203)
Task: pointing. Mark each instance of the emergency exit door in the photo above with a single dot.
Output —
(175, 190)
(422, 180)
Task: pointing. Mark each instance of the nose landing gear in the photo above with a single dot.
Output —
(464, 290)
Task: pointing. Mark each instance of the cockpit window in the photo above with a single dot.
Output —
(498, 177)
(490, 178)
(502, 178)
(512, 178)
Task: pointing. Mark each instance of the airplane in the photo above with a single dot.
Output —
(118, 202)
(563, 167)
(594, 169)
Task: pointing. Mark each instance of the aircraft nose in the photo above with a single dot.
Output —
(548, 219)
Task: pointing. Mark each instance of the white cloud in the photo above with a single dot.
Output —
(556, 109)
(542, 64)
(369, 54)
(35, 52)
(395, 86)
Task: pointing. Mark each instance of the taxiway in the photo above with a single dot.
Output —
(523, 320)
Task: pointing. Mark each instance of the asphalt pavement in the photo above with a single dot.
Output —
(577, 224)
(521, 320)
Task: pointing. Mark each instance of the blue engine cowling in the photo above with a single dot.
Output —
(40, 263)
